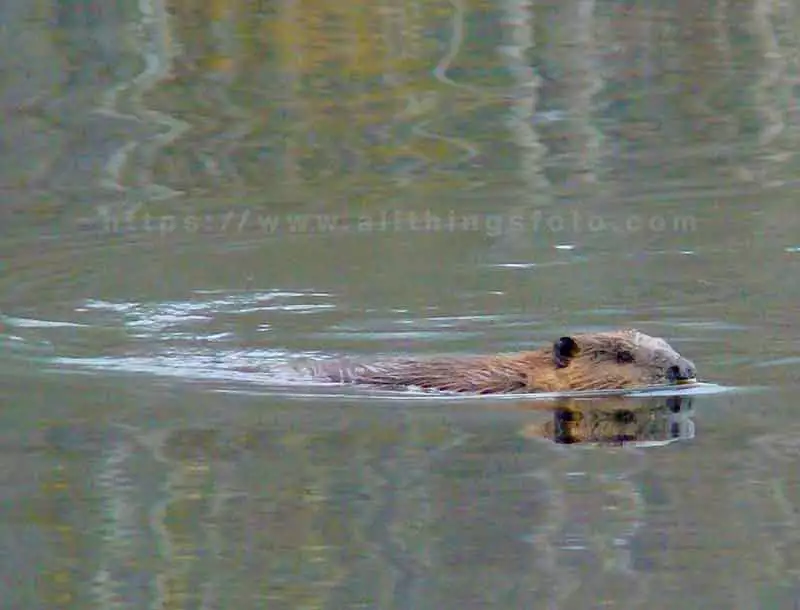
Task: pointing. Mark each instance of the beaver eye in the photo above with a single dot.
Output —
(624, 357)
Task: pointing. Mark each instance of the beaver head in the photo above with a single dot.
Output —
(619, 359)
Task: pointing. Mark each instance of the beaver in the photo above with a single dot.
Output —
(614, 360)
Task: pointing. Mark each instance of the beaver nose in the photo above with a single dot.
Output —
(683, 371)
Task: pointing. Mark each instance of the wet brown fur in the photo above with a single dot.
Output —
(592, 361)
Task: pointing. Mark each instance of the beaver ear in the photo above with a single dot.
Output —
(564, 350)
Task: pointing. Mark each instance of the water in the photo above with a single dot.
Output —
(193, 197)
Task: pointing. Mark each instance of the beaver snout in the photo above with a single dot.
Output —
(682, 372)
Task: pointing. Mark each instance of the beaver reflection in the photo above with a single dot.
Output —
(619, 420)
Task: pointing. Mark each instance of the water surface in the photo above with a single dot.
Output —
(196, 193)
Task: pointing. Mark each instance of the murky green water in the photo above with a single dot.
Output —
(194, 193)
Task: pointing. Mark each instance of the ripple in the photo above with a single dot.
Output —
(378, 325)
(790, 361)
(702, 325)
(433, 335)
(252, 366)
(155, 46)
(15, 345)
(529, 265)
(161, 316)
(33, 323)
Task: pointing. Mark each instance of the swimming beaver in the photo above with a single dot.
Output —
(592, 361)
